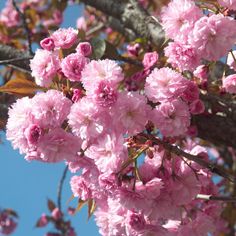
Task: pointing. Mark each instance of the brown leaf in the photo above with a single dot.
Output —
(51, 205)
(20, 86)
(91, 207)
(81, 203)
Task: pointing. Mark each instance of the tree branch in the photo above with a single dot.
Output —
(10, 53)
(59, 192)
(195, 158)
(219, 130)
(132, 16)
(25, 25)
(119, 27)
(216, 198)
(5, 62)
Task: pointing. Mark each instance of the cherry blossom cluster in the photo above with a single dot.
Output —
(8, 221)
(197, 36)
(106, 130)
(57, 219)
(10, 19)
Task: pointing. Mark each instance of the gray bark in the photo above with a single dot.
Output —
(133, 17)
(7, 52)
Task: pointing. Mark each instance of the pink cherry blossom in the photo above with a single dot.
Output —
(231, 4)
(191, 93)
(182, 56)
(164, 84)
(209, 33)
(178, 18)
(47, 44)
(229, 83)
(202, 225)
(231, 60)
(72, 66)
(44, 66)
(80, 188)
(57, 145)
(201, 72)
(149, 59)
(197, 107)
(130, 113)
(109, 153)
(50, 109)
(81, 23)
(84, 49)
(104, 95)
(32, 134)
(20, 118)
(86, 119)
(64, 37)
(9, 16)
(172, 118)
(101, 70)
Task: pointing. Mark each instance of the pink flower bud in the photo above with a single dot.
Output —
(71, 232)
(149, 59)
(81, 23)
(71, 210)
(197, 107)
(77, 94)
(229, 83)
(85, 49)
(42, 221)
(56, 214)
(201, 72)
(133, 50)
(47, 44)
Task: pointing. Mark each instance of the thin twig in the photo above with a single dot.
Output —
(95, 29)
(215, 198)
(4, 62)
(130, 61)
(197, 159)
(59, 192)
(27, 30)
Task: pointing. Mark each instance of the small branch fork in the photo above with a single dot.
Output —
(210, 166)
(197, 159)
(27, 30)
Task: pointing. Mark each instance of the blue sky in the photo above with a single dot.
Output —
(26, 186)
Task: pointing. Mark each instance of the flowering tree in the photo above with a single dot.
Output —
(138, 101)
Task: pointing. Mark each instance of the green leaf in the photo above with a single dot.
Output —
(99, 48)
(141, 40)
